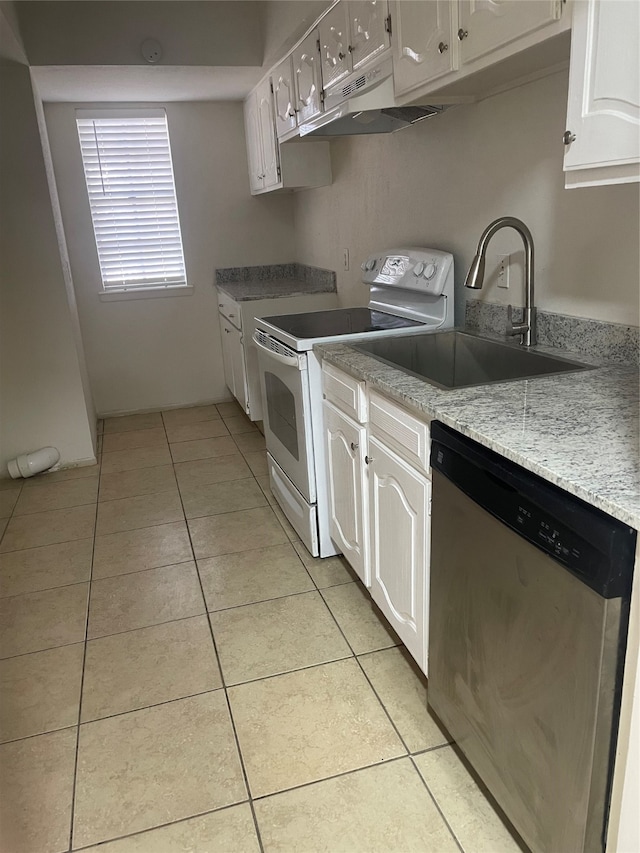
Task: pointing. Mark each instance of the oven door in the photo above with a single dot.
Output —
(287, 411)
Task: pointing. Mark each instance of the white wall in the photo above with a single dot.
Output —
(440, 183)
(40, 377)
(157, 353)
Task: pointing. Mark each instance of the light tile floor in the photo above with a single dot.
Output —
(179, 675)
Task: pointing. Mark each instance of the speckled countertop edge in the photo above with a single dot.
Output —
(245, 291)
(577, 430)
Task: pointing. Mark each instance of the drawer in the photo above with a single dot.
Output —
(401, 431)
(230, 309)
(345, 392)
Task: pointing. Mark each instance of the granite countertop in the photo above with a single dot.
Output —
(244, 291)
(577, 430)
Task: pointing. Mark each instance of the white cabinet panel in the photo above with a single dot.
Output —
(487, 25)
(284, 98)
(268, 142)
(424, 43)
(345, 445)
(254, 146)
(369, 30)
(235, 375)
(604, 94)
(398, 507)
(307, 78)
(334, 46)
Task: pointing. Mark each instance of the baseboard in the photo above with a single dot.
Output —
(118, 413)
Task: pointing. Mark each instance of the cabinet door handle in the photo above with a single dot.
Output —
(442, 47)
(354, 446)
(462, 34)
(227, 331)
(231, 316)
(341, 55)
(368, 459)
(568, 137)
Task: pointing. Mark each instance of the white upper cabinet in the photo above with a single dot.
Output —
(425, 45)
(351, 35)
(466, 49)
(262, 153)
(602, 141)
(276, 167)
(369, 28)
(484, 26)
(334, 46)
(307, 78)
(254, 148)
(269, 148)
(284, 97)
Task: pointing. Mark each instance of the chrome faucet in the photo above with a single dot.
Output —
(475, 277)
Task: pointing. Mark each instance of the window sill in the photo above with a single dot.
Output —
(144, 293)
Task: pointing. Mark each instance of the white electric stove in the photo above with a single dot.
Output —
(411, 291)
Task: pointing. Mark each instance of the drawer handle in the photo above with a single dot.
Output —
(354, 446)
(368, 459)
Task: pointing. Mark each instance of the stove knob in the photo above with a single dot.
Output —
(430, 271)
(419, 267)
(363, 266)
(371, 264)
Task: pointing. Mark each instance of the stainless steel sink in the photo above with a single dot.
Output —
(459, 359)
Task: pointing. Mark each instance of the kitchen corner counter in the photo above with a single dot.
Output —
(577, 430)
(245, 291)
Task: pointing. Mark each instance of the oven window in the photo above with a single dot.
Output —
(281, 407)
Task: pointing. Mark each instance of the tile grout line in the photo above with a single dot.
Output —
(437, 805)
(84, 662)
(224, 687)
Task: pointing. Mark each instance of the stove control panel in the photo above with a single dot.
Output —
(424, 270)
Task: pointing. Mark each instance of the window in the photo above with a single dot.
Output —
(129, 174)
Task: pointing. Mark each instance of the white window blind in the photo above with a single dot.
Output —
(129, 174)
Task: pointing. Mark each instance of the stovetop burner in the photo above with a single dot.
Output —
(339, 321)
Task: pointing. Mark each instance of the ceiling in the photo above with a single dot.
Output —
(83, 51)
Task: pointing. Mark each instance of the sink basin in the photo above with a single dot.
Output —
(459, 359)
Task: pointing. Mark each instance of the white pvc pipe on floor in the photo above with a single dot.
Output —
(29, 464)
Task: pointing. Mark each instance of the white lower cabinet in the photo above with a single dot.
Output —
(399, 523)
(345, 444)
(235, 374)
(379, 501)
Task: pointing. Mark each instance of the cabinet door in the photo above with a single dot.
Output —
(604, 92)
(306, 72)
(254, 147)
(235, 375)
(345, 443)
(268, 141)
(368, 26)
(334, 46)
(486, 25)
(424, 42)
(226, 331)
(399, 522)
(284, 98)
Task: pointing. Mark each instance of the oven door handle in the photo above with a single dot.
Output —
(290, 360)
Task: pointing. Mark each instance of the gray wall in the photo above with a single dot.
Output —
(440, 183)
(41, 388)
(162, 352)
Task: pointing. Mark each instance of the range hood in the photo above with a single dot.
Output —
(365, 103)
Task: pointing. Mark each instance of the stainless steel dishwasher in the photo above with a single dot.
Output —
(529, 599)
